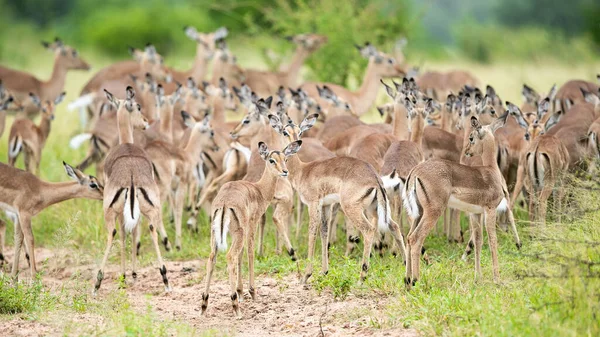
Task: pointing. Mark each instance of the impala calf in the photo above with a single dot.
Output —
(29, 138)
(23, 196)
(131, 189)
(436, 184)
(236, 209)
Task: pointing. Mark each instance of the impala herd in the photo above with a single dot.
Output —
(445, 147)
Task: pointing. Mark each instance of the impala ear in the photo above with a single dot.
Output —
(263, 150)
(552, 92)
(543, 107)
(60, 98)
(276, 123)
(188, 120)
(308, 122)
(292, 148)
(388, 89)
(73, 173)
(35, 99)
(130, 93)
(529, 94)
(429, 106)
(475, 123)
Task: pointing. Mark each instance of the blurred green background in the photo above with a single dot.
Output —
(485, 31)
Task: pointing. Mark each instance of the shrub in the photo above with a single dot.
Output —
(21, 297)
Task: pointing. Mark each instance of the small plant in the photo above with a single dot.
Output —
(340, 279)
(22, 297)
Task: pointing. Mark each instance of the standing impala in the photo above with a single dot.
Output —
(352, 183)
(30, 138)
(380, 66)
(130, 189)
(23, 196)
(21, 84)
(436, 184)
(237, 209)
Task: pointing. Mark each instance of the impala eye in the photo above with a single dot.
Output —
(272, 161)
(246, 121)
(472, 139)
(94, 185)
(285, 133)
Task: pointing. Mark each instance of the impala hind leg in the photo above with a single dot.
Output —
(155, 220)
(210, 268)
(281, 218)
(314, 215)
(356, 218)
(417, 237)
(110, 218)
(2, 240)
(233, 256)
(18, 242)
(490, 226)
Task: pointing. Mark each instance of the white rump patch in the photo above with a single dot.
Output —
(131, 220)
(503, 206)
(15, 147)
(81, 102)
(389, 182)
(199, 174)
(78, 140)
(330, 199)
(410, 201)
(246, 152)
(221, 236)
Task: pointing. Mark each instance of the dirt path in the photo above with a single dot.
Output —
(284, 307)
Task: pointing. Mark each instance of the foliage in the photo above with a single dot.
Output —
(345, 23)
(491, 43)
(22, 297)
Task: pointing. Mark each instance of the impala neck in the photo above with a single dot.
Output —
(488, 156)
(267, 184)
(399, 126)
(54, 86)
(269, 136)
(445, 123)
(294, 68)
(218, 106)
(45, 124)
(418, 125)
(367, 93)
(124, 126)
(194, 147)
(295, 167)
(218, 70)
(200, 64)
(53, 193)
(2, 121)
(166, 122)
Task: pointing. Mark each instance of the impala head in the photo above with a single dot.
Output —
(535, 124)
(407, 88)
(589, 97)
(68, 56)
(245, 95)
(418, 111)
(130, 107)
(195, 100)
(309, 42)
(221, 94)
(151, 62)
(290, 130)
(228, 63)
(385, 65)
(206, 41)
(337, 105)
(254, 120)
(202, 133)
(276, 159)
(47, 107)
(8, 101)
(481, 135)
(89, 187)
(532, 98)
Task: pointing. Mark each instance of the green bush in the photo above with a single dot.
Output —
(20, 297)
(345, 23)
(111, 29)
(491, 43)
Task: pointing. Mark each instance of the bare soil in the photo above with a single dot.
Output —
(284, 307)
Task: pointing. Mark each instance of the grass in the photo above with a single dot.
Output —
(546, 289)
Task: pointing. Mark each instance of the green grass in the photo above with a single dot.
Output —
(446, 301)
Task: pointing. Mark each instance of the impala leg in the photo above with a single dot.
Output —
(280, 218)
(250, 253)
(233, 255)
(300, 213)
(417, 238)
(240, 282)
(179, 198)
(2, 240)
(261, 234)
(543, 201)
(315, 218)
(398, 237)
(18, 244)
(518, 183)
(477, 236)
(134, 251)
(25, 224)
(490, 226)
(210, 268)
(532, 206)
(356, 218)
(324, 231)
(513, 227)
(123, 239)
(109, 222)
(333, 222)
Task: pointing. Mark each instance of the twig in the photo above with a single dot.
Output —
(321, 333)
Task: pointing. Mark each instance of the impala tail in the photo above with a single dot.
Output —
(78, 140)
(220, 227)
(14, 147)
(131, 210)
